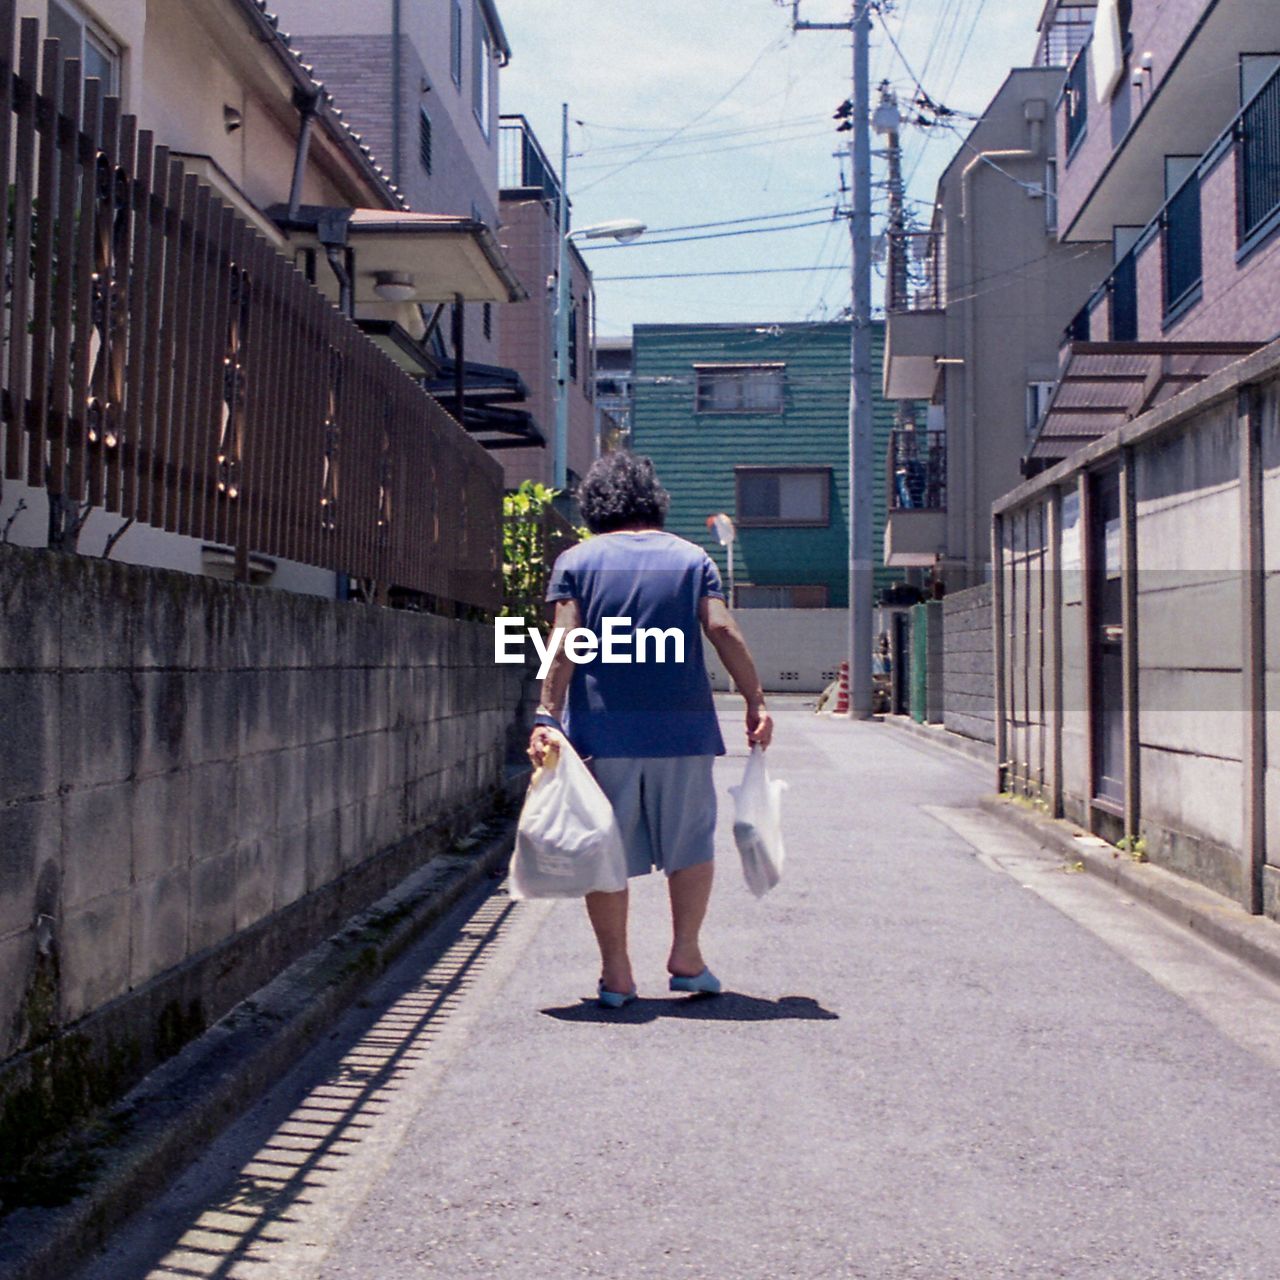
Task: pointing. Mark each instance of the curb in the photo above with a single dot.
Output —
(975, 752)
(187, 1101)
(1253, 939)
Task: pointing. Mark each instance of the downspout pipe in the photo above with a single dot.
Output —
(397, 125)
(338, 261)
(980, 160)
(307, 103)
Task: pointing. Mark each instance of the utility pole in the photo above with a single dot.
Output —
(861, 452)
(560, 446)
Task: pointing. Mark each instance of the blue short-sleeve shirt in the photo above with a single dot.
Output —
(648, 708)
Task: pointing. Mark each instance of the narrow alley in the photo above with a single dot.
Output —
(942, 1053)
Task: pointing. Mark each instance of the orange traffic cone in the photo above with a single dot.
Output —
(842, 694)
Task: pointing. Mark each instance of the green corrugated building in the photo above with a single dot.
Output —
(752, 420)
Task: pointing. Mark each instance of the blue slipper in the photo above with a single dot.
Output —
(705, 983)
(613, 999)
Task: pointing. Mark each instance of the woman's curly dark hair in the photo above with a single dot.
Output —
(621, 491)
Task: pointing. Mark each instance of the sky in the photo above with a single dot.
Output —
(688, 112)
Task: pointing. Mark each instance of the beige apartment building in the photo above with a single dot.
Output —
(221, 86)
(975, 315)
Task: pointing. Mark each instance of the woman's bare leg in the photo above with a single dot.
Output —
(690, 891)
(608, 915)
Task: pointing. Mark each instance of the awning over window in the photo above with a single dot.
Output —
(439, 256)
(1103, 385)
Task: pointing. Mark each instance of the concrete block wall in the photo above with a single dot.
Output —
(1191, 708)
(197, 781)
(968, 664)
(1193, 801)
(795, 650)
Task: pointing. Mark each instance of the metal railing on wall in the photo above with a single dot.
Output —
(916, 279)
(163, 362)
(1259, 132)
(917, 470)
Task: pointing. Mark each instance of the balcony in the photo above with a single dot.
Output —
(1064, 31)
(915, 297)
(917, 271)
(916, 475)
(1189, 96)
(522, 163)
(1178, 280)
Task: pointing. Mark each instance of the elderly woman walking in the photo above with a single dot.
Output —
(648, 730)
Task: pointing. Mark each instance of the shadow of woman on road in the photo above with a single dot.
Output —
(729, 1007)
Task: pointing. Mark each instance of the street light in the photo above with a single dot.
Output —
(623, 230)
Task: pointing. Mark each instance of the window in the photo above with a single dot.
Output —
(1051, 195)
(1076, 99)
(783, 496)
(482, 66)
(739, 388)
(752, 595)
(573, 342)
(1038, 396)
(424, 140)
(455, 42)
(1123, 288)
(1183, 263)
(488, 319)
(81, 38)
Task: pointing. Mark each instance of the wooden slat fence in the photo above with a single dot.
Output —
(162, 361)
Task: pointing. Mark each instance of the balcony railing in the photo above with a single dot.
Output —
(1066, 35)
(1183, 260)
(1259, 135)
(522, 161)
(1076, 94)
(916, 271)
(917, 470)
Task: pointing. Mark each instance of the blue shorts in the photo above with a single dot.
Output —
(665, 806)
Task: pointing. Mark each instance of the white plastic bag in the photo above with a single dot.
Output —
(567, 841)
(757, 824)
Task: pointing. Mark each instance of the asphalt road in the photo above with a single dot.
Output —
(943, 1055)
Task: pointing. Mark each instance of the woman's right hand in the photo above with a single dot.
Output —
(541, 740)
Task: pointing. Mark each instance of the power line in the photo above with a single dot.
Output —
(732, 222)
(770, 47)
(712, 134)
(697, 275)
(646, 243)
(650, 158)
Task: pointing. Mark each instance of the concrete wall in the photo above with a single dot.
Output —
(1189, 711)
(198, 781)
(795, 650)
(968, 664)
(1189, 695)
